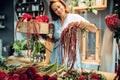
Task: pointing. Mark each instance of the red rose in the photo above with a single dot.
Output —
(95, 76)
(8, 77)
(42, 18)
(2, 75)
(23, 77)
(11, 78)
(26, 16)
(37, 76)
(20, 71)
(45, 18)
(52, 78)
(10, 73)
(15, 77)
(39, 19)
(31, 71)
(46, 77)
(82, 77)
(112, 21)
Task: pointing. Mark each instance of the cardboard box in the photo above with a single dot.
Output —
(33, 28)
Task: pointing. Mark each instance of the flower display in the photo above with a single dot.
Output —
(29, 73)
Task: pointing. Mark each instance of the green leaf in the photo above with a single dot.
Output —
(95, 11)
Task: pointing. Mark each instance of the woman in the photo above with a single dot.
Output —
(62, 19)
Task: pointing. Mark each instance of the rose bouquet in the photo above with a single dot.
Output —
(113, 23)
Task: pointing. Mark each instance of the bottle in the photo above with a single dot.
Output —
(51, 28)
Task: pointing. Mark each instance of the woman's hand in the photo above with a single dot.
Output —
(87, 25)
(74, 24)
(82, 24)
(50, 36)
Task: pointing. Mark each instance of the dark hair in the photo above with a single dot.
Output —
(53, 14)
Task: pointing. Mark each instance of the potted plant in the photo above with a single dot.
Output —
(19, 46)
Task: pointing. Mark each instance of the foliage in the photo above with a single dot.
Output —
(38, 47)
(19, 45)
(89, 4)
(74, 2)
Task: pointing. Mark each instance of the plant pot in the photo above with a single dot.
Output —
(17, 54)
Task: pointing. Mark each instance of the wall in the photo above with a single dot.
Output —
(7, 34)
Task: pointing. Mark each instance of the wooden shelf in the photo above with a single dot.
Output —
(78, 9)
(82, 9)
(34, 8)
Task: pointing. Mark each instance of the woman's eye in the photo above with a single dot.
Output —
(55, 9)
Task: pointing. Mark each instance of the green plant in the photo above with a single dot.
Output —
(90, 4)
(74, 2)
(38, 47)
(19, 45)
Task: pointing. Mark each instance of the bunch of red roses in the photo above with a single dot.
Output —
(41, 18)
(112, 21)
(25, 74)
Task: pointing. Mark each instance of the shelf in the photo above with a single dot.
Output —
(27, 3)
(29, 11)
(82, 8)
(34, 8)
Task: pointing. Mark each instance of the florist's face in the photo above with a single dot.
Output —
(58, 8)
